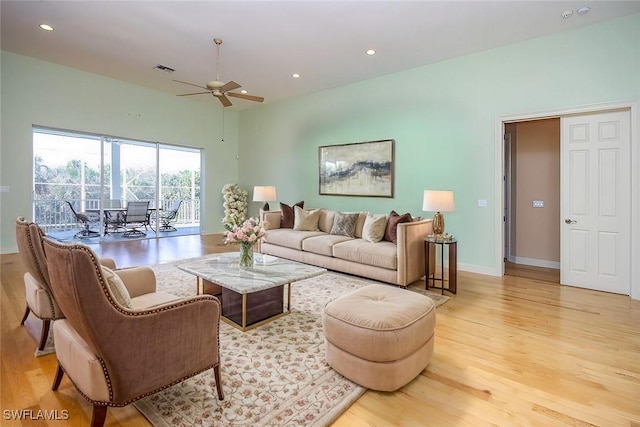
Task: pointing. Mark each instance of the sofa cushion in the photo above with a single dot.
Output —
(325, 223)
(391, 232)
(153, 300)
(306, 220)
(383, 254)
(289, 238)
(374, 228)
(344, 224)
(323, 245)
(288, 216)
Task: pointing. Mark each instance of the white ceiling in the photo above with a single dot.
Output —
(264, 42)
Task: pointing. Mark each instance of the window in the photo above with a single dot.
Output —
(93, 171)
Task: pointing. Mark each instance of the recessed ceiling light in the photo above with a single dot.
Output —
(370, 52)
(243, 91)
(295, 75)
(567, 14)
(46, 27)
(583, 10)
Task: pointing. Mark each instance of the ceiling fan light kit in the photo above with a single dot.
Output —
(219, 89)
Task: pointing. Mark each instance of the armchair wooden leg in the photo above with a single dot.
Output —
(216, 374)
(58, 378)
(46, 324)
(26, 314)
(98, 416)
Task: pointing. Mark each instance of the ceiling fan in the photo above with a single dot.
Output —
(219, 89)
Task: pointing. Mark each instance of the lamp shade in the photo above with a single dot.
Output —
(264, 194)
(438, 201)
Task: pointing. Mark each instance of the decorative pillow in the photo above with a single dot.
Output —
(374, 228)
(305, 220)
(391, 232)
(360, 224)
(117, 288)
(344, 224)
(287, 219)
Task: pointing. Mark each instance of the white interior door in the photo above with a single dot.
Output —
(595, 242)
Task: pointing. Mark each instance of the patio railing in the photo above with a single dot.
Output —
(55, 215)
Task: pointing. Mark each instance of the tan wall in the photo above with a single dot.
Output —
(537, 177)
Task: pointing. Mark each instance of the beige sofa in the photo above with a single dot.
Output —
(401, 264)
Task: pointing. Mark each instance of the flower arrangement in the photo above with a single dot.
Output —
(246, 235)
(249, 232)
(235, 205)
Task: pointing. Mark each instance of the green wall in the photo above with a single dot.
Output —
(443, 118)
(40, 93)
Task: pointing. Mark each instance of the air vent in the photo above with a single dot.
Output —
(164, 68)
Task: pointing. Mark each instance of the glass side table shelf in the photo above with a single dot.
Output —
(431, 279)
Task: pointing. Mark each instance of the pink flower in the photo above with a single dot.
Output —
(250, 231)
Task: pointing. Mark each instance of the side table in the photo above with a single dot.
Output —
(430, 278)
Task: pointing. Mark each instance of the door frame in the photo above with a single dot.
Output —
(633, 107)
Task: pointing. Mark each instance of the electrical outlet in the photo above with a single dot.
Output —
(4, 188)
(538, 204)
(482, 203)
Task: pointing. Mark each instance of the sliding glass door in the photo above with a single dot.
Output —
(100, 175)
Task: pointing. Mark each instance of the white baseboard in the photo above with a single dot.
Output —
(487, 271)
(537, 262)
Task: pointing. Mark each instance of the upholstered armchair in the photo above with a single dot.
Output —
(116, 352)
(40, 300)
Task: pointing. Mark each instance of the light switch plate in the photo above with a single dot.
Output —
(4, 188)
(538, 203)
(482, 203)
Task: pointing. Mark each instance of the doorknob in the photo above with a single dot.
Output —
(570, 221)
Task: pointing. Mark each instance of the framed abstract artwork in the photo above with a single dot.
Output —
(359, 169)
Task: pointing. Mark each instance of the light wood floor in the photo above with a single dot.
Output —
(509, 351)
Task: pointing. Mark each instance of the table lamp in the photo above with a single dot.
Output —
(438, 201)
(264, 194)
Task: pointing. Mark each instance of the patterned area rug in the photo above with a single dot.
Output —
(274, 375)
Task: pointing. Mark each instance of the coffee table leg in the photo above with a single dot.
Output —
(244, 311)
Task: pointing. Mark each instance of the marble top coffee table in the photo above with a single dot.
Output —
(249, 297)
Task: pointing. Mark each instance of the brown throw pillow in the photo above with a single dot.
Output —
(391, 233)
(288, 216)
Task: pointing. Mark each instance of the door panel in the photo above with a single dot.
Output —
(596, 201)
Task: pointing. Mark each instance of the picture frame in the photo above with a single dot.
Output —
(357, 169)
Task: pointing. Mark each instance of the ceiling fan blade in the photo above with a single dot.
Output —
(229, 86)
(224, 100)
(187, 83)
(245, 96)
(189, 94)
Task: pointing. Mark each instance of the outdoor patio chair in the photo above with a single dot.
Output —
(85, 219)
(121, 340)
(168, 216)
(135, 217)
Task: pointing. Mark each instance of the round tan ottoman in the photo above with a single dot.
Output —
(379, 336)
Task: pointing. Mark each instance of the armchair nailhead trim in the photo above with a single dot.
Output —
(128, 402)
